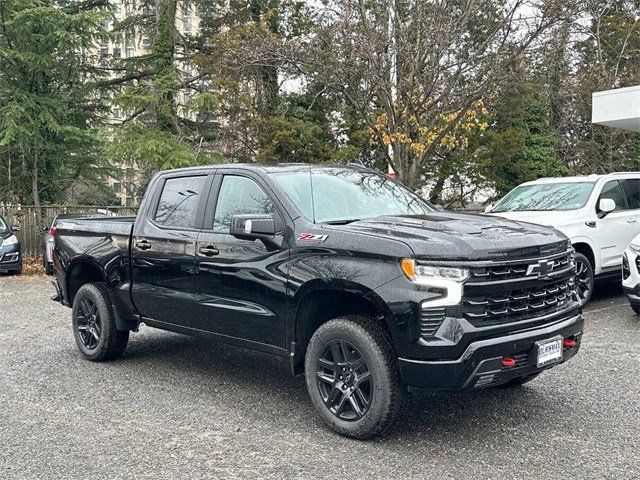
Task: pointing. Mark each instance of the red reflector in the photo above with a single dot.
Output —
(508, 362)
(569, 343)
(52, 231)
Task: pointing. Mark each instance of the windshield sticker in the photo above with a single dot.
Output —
(312, 237)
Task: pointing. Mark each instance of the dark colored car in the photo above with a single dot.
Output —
(365, 288)
(10, 254)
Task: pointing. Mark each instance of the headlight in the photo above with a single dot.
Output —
(421, 273)
(446, 281)
(12, 240)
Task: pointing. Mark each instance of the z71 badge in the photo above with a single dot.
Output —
(312, 237)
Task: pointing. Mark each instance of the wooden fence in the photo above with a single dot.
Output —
(33, 223)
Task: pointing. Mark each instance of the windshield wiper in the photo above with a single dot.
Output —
(341, 222)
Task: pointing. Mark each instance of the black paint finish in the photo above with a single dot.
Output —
(255, 293)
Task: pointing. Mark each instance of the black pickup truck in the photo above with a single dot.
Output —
(364, 287)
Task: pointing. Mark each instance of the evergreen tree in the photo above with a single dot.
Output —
(48, 101)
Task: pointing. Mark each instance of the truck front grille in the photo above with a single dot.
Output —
(520, 290)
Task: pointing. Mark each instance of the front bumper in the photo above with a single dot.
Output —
(631, 284)
(481, 363)
(10, 258)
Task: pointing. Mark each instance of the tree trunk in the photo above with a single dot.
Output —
(268, 73)
(163, 52)
(35, 191)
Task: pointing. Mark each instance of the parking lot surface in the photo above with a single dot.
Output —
(176, 406)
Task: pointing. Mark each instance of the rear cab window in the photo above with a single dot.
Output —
(179, 202)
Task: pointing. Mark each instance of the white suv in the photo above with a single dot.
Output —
(599, 214)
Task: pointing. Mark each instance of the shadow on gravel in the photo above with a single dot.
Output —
(607, 290)
(206, 366)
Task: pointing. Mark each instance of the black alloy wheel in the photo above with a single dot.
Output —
(89, 324)
(344, 381)
(584, 279)
(94, 324)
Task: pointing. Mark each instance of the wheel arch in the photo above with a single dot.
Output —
(586, 248)
(320, 300)
(81, 271)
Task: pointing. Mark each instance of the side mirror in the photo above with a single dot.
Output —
(488, 208)
(254, 227)
(606, 206)
(15, 228)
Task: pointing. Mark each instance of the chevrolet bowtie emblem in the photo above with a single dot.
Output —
(541, 269)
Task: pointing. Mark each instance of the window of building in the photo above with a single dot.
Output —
(129, 52)
(117, 187)
(239, 196)
(146, 41)
(104, 52)
(117, 53)
(179, 201)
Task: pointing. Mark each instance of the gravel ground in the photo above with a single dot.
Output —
(176, 406)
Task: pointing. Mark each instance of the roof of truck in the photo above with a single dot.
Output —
(583, 178)
(269, 167)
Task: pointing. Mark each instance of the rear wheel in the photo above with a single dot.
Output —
(353, 379)
(584, 279)
(94, 325)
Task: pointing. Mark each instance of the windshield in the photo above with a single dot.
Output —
(328, 195)
(546, 196)
(3, 226)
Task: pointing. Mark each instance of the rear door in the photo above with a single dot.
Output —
(242, 283)
(163, 250)
(617, 229)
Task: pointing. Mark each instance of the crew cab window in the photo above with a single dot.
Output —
(632, 187)
(179, 201)
(613, 190)
(239, 196)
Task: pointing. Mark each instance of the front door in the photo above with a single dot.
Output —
(242, 283)
(616, 229)
(164, 248)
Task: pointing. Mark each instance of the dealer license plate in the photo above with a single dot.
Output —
(549, 351)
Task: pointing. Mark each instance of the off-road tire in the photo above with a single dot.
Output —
(112, 342)
(388, 396)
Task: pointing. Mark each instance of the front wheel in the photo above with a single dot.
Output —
(584, 279)
(94, 325)
(636, 308)
(353, 379)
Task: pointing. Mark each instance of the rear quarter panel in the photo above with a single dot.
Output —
(101, 243)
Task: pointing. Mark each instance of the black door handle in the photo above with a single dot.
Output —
(143, 245)
(209, 251)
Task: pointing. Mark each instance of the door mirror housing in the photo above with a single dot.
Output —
(488, 208)
(255, 227)
(15, 228)
(606, 206)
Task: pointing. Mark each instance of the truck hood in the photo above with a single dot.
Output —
(554, 218)
(464, 236)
